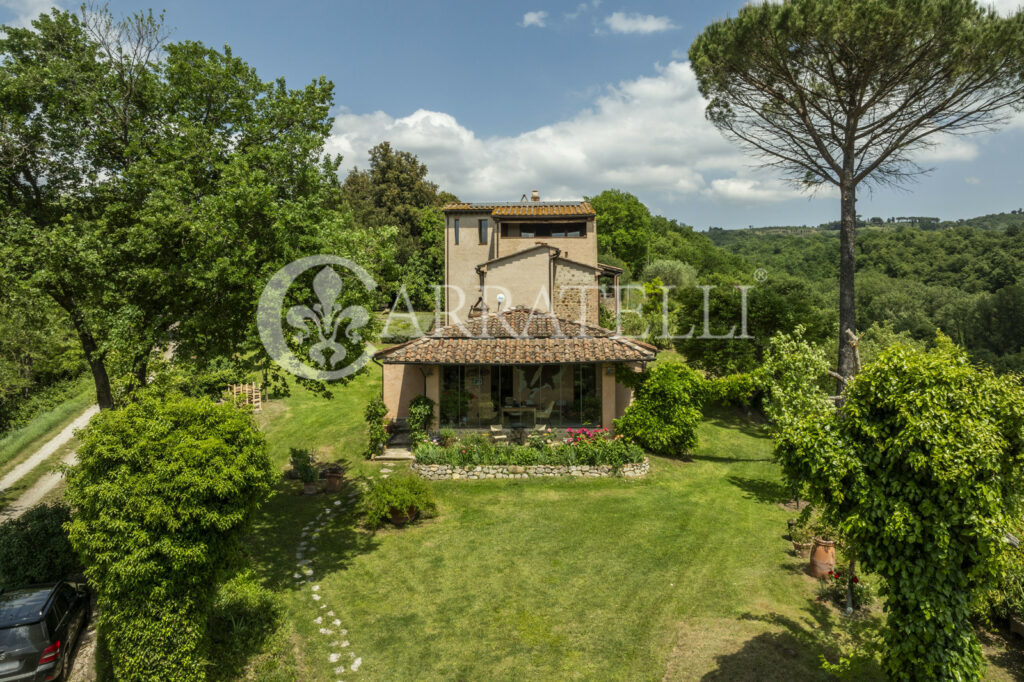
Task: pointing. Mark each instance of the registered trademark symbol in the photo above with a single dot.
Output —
(760, 274)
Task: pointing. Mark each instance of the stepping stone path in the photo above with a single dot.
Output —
(305, 575)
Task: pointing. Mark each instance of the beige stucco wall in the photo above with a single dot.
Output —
(623, 397)
(433, 373)
(582, 249)
(402, 383)
(608, 401)
(524, 279)
(461, 260)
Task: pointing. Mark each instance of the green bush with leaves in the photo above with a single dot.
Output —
(376, 426)
(666, 410)
(302, 462)
(243, 615)
(421, 417)
(737, 390)
(407, 497)
(34, 547)
(163, 493)
(582, 447)
(921, 469)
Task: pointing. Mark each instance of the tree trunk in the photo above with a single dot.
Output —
(847, 312)
(104, 396)
(849, 583)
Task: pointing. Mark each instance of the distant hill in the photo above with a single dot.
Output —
(992, 221)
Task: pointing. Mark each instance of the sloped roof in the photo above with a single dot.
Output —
(526, 209)
(519, 336)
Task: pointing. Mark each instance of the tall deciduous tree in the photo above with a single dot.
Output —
(623, 227)
(150, 189)
(844, 92)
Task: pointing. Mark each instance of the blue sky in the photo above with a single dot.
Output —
(499, 98)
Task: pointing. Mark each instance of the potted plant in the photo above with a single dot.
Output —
(398, 500)
(823, 554)
(332, 478)
(302, 463)
(800, 535)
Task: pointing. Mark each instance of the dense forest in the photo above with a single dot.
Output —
(965, 279)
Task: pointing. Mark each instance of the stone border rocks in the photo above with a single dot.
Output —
(445, 472)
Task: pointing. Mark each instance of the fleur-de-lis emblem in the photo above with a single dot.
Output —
(325, 318)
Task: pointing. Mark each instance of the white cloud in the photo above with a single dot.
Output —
(620, 22)
(26, 10)
(751, 190)
(538, 19)
(647, 136)
(972, 180)
(1004, 7)
(581, 9)
(946, 147)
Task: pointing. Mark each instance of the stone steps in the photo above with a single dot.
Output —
(395, 454)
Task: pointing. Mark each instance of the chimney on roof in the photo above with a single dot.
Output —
(535, 195)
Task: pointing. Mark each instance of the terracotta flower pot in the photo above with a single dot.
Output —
(400, 517)
(310, 488)
(332, 482)
(823, 557)
(802, 549)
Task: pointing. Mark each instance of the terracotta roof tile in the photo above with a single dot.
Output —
(526, 209)
(519, 336)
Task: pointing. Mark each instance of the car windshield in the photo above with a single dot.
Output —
(14, 638)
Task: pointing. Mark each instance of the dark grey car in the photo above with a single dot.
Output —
(39, 626)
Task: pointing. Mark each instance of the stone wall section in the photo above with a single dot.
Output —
(445, 472)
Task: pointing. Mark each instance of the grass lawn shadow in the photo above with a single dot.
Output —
(760, 489)
(794, 649)
(278, 533)
(748, 421)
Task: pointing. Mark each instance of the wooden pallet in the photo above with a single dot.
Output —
(247, 394)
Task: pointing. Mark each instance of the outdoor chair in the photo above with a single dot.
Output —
(496, 433)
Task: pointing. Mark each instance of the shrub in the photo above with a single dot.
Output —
(244, 614)
(666, 410)
(34, 548)
(832, 589)
(407, 496)
(302, 462)
(164, 491)
(446, 437)
(421, 417)
(921, 469)
(672, 273)
(376, 426)
(589, 447)
(737, 390)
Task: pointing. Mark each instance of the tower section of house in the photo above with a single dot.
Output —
(521, 346)
(536, 254)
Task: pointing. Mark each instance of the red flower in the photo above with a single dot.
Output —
(855, 579)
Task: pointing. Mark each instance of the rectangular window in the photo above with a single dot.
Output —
(483, 230)
(543, 230)
(456, 230)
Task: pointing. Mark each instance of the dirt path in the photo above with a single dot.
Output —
(37, 492)
(40, 455)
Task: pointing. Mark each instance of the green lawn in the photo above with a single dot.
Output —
(683, 575)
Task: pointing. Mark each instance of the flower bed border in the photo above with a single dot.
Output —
(445, 472)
